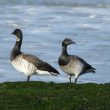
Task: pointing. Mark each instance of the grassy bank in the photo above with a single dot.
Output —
(51, 96)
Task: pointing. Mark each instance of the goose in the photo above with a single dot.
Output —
(71, 64)
(26, 63)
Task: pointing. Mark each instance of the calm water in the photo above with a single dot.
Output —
(46, 24)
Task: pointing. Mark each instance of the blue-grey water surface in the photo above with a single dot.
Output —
(45, 23)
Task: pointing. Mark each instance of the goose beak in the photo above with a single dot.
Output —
(12, 33)
(72, 42)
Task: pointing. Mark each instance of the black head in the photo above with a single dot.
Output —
(18, 33)
(67, 42)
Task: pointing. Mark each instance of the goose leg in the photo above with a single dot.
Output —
(70, 79)
(28, 78)
(76, 80)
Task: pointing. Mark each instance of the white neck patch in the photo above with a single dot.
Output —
(17, 39)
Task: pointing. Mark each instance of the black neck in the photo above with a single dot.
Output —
(64, 50)
(16, 50)
(63, 59)
(18, 45)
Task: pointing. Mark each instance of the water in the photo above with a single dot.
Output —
(45, 23)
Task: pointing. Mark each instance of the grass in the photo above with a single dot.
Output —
(52, 96)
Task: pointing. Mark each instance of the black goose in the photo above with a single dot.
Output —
(28, 64)
(71, 64)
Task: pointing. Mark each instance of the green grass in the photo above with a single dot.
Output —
(52, 96)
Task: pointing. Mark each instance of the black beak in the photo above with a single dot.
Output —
(12, 33)
(72, 42)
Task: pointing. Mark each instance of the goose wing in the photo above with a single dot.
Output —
(86, 67)
(41, 65)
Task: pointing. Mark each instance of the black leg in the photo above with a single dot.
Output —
(70, 79)
(76, 80)
(28, 78)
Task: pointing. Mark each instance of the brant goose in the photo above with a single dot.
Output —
(71, 64)
(26, 63)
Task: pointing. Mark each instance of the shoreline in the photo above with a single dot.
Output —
(52, 96)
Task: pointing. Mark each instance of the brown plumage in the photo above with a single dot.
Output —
(28, 64)
(71, 64)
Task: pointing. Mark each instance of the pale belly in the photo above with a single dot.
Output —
(73, 68)
(24, 66)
